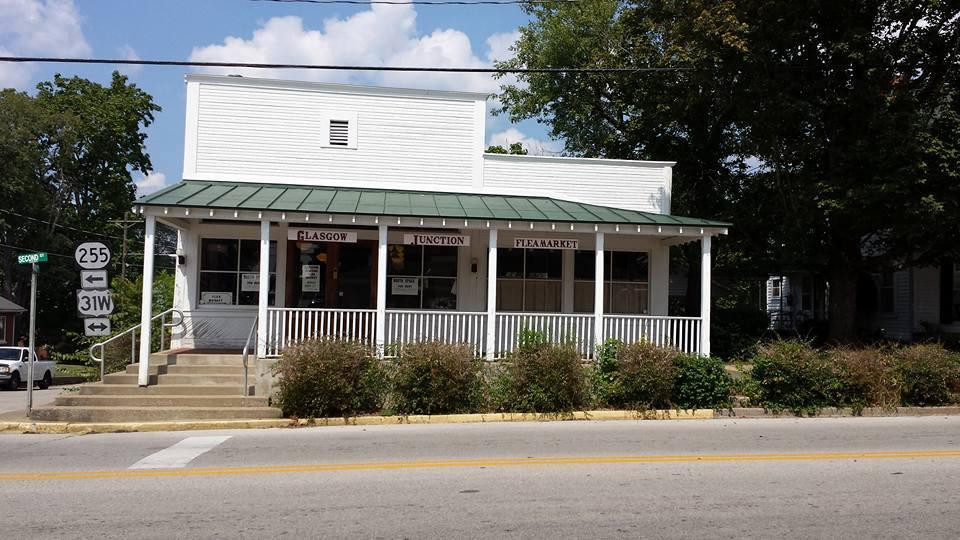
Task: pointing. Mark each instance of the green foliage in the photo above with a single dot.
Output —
(437, 378)
(700, 383)
(516, 149)
(643, 378)
(330, 377)
(931, 374)
(604, 371)
(735, 332)
(792, 375)
(870, 375)
(542, 378)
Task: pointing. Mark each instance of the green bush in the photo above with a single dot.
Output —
(330, 377)
(794, 376)
(542, 377)
(736, 331)
(437, 378)
(870, 377)
(643, 378)
(604, 371)
(931, 374)
(700, 383)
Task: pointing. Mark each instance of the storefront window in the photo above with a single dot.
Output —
(421, 277)
(529, 279)
(230, 272)
(626, 285)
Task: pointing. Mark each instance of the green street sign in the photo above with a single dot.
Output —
(32, 258)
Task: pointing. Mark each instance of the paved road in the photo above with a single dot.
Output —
(853, 478)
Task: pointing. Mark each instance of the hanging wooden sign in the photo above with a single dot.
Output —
(546, 243)
(432, 239)
(322, 235)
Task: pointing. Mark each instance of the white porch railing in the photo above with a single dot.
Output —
(408, 326)
(557, 327)
(681, 333)
(286, 326)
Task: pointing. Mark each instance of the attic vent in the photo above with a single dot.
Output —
(339, 133)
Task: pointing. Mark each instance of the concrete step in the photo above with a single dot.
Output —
(151, 414)
(126, 378)
(188, 369)
(211, 360)
(97, 389)
(201, 378)
(159, 401)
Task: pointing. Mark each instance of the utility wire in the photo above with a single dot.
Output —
(423, 2)
(190, 63)
(57, 224)
(25, 250)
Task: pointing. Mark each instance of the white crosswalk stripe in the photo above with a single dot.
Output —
(179, 454)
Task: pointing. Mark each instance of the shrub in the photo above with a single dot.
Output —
(437, 378)
(700, 383)
(930, 373)
(330, 377)
(604, 371)
(735, 331)
(542, 378)
(644, 377)
(869, 376)
(793, 375)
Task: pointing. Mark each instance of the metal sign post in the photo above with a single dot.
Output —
(34, 260)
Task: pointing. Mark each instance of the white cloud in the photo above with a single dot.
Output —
(32, 27)
(384, 35)
(129, 53)
(536, 147)
(151, 182)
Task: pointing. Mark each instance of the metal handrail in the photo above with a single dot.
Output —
(133, 333)
(246, 354)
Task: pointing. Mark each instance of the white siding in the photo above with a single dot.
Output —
(643, 186)
(899, 324)
(273, 133)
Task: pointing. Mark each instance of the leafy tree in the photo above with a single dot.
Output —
(66, 156)
(515, 149)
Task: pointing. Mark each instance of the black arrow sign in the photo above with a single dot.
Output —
(94, 279)
(97, 326)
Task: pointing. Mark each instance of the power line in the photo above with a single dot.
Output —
(25, 250)
(190, 63)
(422, 2)
(57, 224)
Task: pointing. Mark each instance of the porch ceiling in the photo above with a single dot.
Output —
(373, 202)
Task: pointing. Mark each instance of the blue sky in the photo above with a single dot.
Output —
(258, 31)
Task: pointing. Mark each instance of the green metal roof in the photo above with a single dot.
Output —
(332, 200)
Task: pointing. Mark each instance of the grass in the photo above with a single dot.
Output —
(72, 370)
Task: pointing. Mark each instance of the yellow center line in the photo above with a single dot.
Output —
(469, 463)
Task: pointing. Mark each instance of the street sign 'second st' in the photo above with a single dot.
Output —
(94, 303)
(32, 258)
(94, 327)
(92, 255)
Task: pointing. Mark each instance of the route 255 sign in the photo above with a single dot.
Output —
(92, 255)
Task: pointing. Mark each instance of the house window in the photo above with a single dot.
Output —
(776, 288)
(885, 294)
(230, 272)
(806, 294)
(626, 283)
(421, 277)
(529, 279)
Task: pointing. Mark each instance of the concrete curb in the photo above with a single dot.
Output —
(833, 412)
(123, 427)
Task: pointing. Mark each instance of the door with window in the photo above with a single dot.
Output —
(332, 275)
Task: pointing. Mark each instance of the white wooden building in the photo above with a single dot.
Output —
(313, 209)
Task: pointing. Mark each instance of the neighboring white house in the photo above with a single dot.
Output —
(896, 304)
(374, 213)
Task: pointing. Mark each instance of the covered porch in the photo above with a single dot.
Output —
(287, 263)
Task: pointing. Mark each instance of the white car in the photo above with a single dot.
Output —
(13, 368)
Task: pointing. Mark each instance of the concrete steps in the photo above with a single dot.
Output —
(182, 386)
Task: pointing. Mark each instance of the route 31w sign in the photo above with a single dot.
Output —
(94, 303)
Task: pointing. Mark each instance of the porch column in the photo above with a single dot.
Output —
(598, 293)
(146, 301)
(491, 295)
(705, 296)
(381, 337)
(264, 292)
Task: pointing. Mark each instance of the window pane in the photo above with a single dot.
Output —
(404, 301)
(629, 266)
(628, 298)
(510, 263)
(252, 298)
(403, 260)
(510, 295)
(583, 296)
(544, 264)
(584, 265)
(250, 255)
(543, 295)
(214, 282)
(439, 293)
(440, 261)
(218, 254)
